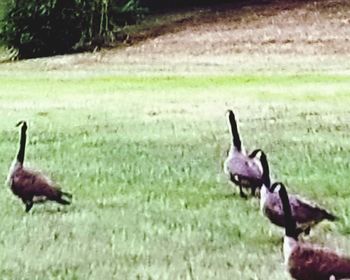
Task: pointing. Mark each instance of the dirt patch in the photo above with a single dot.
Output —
(217, 35)
(321, 27)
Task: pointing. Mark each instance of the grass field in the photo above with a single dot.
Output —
(143, 157)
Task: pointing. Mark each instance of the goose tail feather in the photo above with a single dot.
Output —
(329, 216)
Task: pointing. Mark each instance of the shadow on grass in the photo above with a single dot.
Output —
(174, 17)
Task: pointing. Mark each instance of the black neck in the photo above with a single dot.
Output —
(22, 144)
(290, 225)
(266, 170)
(235, 135)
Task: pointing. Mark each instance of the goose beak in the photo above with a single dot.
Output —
(19, 123)
(229, 111)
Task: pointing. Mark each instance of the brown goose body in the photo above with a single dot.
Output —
(305, 214)
(239, 163)
(305, 261)
(31, 186)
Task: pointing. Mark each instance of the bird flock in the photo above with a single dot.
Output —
(250, 172)
(296, 215)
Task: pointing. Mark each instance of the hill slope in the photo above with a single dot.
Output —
(277, 35)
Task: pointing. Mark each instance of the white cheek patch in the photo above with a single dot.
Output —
(258, 154)
(277, 189)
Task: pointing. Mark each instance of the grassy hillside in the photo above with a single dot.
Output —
(143, 157)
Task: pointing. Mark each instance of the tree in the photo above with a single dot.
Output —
(48, 27)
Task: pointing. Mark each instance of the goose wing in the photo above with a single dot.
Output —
(311, 263)
(305, 212)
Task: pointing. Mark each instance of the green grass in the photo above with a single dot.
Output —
(143, 157)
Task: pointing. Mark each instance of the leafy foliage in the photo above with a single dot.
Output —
(48, 27)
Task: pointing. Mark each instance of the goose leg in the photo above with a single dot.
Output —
(307, 231)
(253, 190)
(235, 179)
(241, 193)
(29, 205)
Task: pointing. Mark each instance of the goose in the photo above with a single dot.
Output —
(246, 167)
(31, 186)
(305, 213)
(306, 261)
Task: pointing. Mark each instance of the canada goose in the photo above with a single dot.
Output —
(30, 186)
(306, 261)
(247, 167)
(305, 214)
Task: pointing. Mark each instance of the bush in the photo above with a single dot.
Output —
(48, 27)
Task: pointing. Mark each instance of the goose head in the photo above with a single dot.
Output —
(23, 124)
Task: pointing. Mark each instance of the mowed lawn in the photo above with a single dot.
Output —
(143, 158)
